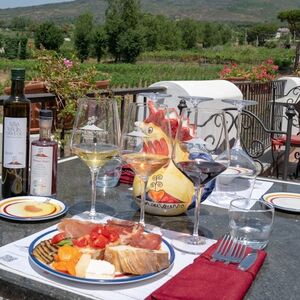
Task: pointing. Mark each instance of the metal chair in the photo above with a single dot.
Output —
(278, 141)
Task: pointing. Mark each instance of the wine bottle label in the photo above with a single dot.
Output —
(41, 171)
(15, 143)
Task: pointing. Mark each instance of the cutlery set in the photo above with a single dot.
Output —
(233, 250)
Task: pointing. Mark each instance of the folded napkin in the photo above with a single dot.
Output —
(127, 175)
(204, 279)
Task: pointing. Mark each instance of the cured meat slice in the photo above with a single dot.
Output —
(124, 227)
(75, 228)
(150, 241)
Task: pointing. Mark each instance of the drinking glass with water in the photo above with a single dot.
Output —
(110, 173)
(251, 220)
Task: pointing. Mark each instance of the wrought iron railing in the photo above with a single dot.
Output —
(264, 94)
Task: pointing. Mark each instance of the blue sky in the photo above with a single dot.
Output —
(19, 3)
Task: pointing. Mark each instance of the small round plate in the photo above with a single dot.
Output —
(117, 280)
(233, 172)
(31, 208)
(237, 171)
(284, 201)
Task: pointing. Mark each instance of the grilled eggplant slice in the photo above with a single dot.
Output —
(45, 252)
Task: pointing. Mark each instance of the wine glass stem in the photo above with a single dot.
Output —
(197, 210)
(237, 143)
(94, 173)
(143, 199)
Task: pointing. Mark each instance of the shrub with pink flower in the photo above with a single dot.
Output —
(68, 63)
(266, 71)
(67, 79)
(233, 71)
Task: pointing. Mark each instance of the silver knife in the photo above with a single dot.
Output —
(248, 261)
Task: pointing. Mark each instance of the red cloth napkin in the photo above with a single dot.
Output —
(127, 175)
(208, 280)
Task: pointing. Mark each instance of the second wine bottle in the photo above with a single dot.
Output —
(44, 159)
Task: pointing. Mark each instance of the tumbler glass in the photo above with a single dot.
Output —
(251, 220)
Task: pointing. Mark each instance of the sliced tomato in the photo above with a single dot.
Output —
(100, 242)
(114, 236)
(58, 238)
(96, 232)
(82, 241)
(106, 232)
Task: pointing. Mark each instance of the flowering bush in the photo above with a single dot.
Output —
(264, 72)
(233, 71)
(67, 79)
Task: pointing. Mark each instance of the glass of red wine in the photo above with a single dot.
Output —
(201, 152)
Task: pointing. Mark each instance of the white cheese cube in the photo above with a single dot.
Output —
(100, 269)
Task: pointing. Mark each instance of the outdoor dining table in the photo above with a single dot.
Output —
(277, 279)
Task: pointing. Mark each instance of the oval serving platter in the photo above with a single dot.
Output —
(119, 279)
(284, 201)
(31, 208)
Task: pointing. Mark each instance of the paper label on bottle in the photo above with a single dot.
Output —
(15, 143)
(41, 171)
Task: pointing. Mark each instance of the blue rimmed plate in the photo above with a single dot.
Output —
(31, 208)
(284, 201)
(117, 280)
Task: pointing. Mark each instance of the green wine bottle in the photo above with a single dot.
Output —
(16, 126)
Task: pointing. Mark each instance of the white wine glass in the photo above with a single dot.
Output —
(203, 148)
(145, 143)
(95, 138)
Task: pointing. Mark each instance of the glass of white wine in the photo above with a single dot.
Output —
(145, 143)
(95, 137)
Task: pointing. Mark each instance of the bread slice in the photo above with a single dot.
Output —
(94, 253)
(137, 261)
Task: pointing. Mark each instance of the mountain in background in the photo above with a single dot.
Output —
(205, 10)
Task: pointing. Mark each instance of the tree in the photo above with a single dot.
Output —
(260, 33)
(11, 47)
(157, 35)
(210, 36)
(190, 32)
(152, 29)
(99, 42)
(49, 36)
(130, 44)
(122, 19)
(292, 17)
(83, 35)
(23, 47)
(170, 36)
(20, 23)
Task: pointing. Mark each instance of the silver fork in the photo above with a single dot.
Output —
(230, 250)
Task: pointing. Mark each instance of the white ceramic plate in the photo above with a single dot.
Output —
(31, 208)
(284, 201)
(117, 280)
(237, 171)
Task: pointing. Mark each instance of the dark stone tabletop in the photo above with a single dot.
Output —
(278, 278)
